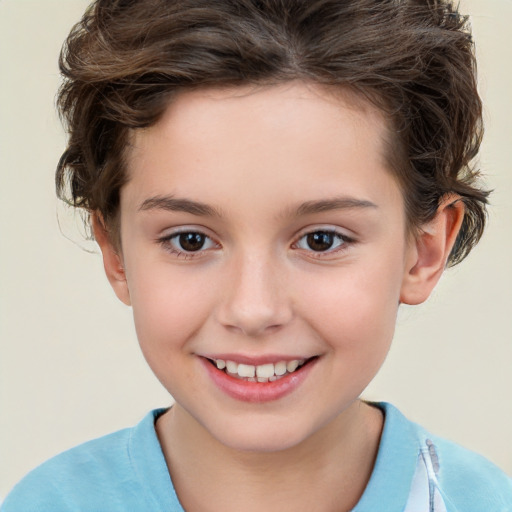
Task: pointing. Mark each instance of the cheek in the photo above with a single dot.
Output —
(355, 307)
(168, 307)
(356, 321)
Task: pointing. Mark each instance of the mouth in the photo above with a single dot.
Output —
(262, 373)
(259, 383)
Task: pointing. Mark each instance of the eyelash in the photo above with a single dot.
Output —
(167, 244)
(345, 242)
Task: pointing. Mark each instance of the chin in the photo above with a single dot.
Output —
(261, 442)
(263, 435)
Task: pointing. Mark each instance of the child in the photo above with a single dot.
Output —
(268, 181)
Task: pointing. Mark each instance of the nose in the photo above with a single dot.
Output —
(256, 299)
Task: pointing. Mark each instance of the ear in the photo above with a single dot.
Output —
(112, 259)
(429, 251)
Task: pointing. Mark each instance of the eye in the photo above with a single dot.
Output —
(187, 242)
(190, 242)
(322, 241)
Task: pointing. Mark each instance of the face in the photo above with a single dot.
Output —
(262, 231)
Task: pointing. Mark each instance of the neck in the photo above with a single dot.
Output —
(338, 459)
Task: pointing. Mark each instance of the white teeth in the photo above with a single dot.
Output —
(291, 366)
(265, 370)
(232, 367)
(246, 370)
(280, 368)
(268, 372)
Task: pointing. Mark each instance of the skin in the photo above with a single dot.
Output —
(254, 156)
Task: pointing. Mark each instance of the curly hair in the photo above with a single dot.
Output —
(126, 59)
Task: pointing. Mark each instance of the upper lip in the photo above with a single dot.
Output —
(256, 360)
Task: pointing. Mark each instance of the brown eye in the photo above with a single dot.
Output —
(191, 242)
(321, 241)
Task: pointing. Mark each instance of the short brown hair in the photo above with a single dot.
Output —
(126, 59)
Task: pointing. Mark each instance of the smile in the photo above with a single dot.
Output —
(259, 382)
(268, 372)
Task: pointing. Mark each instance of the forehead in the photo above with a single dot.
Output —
(293, 105)
(276, 141)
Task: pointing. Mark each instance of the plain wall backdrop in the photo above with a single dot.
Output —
(70, 366)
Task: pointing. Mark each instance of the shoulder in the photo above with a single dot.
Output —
(471, 481)
(65, 481)
(97, 475)
(466, 481)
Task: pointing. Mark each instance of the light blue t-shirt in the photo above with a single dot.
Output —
(126, 471)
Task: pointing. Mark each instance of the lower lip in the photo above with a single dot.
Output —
(257, 392)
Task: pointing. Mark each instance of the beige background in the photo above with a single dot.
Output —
(70, 367)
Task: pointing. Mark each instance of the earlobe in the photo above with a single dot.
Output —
(429, 251)
(112, 259)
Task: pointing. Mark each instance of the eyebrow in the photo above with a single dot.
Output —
(174, 204)
(336, 203)
(170, 203)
